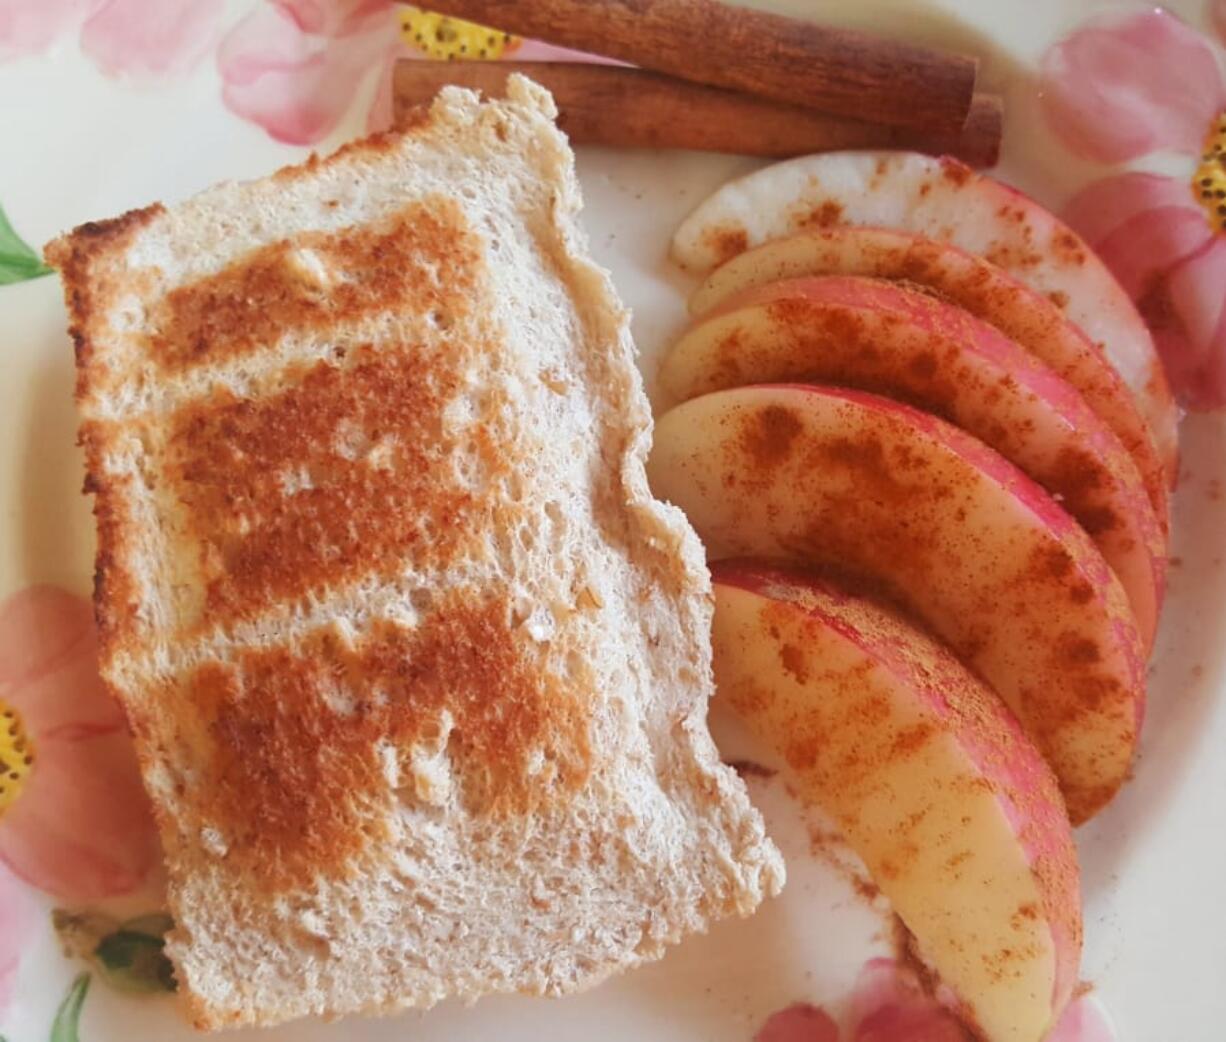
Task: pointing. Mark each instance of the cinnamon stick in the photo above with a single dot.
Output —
(840, 71)
(633, 108)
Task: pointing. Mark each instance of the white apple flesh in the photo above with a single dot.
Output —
(972, 283)
(877, 336)
(933, 518)
(947, 201)
(928, 775)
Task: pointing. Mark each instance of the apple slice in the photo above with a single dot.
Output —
(880, 337)
(983, 289)
(932, 518)
(947, 802)
(947, 201)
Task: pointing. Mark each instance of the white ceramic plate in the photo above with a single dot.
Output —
(90, 127)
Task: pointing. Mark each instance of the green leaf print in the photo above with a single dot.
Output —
(17, 261)
(68, 1017)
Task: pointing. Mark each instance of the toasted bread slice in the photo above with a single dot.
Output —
(418, 670)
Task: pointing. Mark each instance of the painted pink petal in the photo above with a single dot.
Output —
(31, 26)
(1140, 224)
(38, 627)
(49, 666)
(18, 915)
(1083, 1021)
(799, 1022)
(1188, 317)
(888, 1006)
(81, 828)
(1157, 241)
(332, 17)
(1121, 87)
(68, 702)
(1143, 249)
(149, 38)
(298, 86)
(266, 40)
(1101, 207)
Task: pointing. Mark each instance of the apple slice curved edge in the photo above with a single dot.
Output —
(970, 282)
(944, 200)
(877, 336)
(926, 515)
(928, 775)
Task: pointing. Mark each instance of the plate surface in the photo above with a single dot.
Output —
(92, 125)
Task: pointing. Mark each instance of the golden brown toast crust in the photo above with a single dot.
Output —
(85, 294)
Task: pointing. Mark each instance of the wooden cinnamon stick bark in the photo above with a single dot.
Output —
(633, 108)
(838, 71)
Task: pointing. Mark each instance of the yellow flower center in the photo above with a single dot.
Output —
(16, 756)
(450, 38)
(1209, 181)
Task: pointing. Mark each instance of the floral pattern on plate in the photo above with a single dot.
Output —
(74, 819)
(140, 38)
(888, 1004)
(1119, 89)
(18, 262)
(295, 66)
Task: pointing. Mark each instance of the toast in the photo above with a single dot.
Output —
(416, 667)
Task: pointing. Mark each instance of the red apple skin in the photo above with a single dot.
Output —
(945, 200)
(901, 744)
(973, 284)
(880, 337)
(922, 513)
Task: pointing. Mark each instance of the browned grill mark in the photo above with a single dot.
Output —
(425, 257)
(347, 473)
(286, 743)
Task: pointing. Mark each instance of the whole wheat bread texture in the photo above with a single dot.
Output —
(417, 669)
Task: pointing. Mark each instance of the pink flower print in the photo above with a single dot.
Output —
(74, 818)
(1119, 88)
(141, 38)
(888, 1005)
(294, 67)
(151, 38)
(31, 26)
(1115, 90)
(1158, 242)
(1083, 1021)
(799, 1022)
